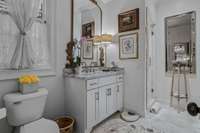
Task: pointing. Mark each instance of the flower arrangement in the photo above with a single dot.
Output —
(28, 83)
(29, 79)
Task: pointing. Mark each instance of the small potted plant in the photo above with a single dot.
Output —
(28, 83)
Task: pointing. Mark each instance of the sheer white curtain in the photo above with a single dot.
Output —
(23, 39)
(8, 37)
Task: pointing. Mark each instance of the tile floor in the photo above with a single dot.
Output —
(167, 121)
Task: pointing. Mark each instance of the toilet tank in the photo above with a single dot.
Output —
(25, 108)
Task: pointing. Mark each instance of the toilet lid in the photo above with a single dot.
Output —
(40, 126)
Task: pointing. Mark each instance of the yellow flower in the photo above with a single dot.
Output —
(29, 79)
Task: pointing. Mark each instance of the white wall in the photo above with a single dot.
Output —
(134, 69)
(166, 9)
(55, 84)
(150, 46)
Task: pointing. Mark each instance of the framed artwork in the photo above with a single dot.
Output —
(128, 21)
(102, 54)
(128, 46)
(88, 30)
(87, 48)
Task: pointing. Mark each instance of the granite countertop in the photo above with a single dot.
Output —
(94, 75)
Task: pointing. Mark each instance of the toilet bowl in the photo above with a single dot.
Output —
(24, 112)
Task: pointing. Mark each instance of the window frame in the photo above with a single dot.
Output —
(43, 72)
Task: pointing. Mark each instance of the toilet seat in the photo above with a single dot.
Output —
(40, 126)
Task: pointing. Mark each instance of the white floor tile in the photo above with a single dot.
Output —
(167, 121)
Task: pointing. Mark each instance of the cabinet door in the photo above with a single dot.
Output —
(103, 103)
(110, 99)
(119, 96)
(92, 107)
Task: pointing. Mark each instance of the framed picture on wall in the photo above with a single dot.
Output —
(128, 46)
(87, 48)
(88, 30)
(128, 21)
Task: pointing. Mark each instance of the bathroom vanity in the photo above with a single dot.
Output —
(91, 98)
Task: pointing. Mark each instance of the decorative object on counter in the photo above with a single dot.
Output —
(102, 56)
(128, 46)
(28, 83)
(114, 65)
(87, 48)
(69, 52)
(128, 21)
(76, 53)
(88, 30)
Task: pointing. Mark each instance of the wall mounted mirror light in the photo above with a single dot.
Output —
(180, 35)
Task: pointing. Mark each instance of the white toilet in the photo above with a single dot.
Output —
(24, 112)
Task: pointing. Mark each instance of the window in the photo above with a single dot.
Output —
(23, 34)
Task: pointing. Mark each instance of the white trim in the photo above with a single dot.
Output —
(14, 74)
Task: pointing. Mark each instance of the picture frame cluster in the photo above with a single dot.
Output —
(128, 42)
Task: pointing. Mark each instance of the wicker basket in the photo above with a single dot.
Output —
(65, 124)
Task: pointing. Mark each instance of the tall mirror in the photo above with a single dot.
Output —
(91, 43)
(86, 26)
(181, 42)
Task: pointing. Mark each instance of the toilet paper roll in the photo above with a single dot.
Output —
(2, 113)
(155, 108)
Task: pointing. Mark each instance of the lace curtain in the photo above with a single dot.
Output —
(23, 34)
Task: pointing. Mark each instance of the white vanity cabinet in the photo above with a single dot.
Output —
(91, 101)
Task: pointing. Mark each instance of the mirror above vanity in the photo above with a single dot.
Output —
(91, 42)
